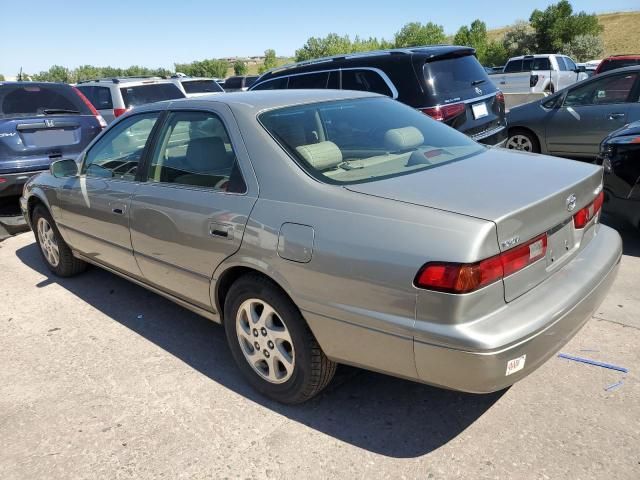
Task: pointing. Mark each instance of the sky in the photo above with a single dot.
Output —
(160, 33)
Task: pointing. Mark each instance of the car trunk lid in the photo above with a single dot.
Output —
(524, 195)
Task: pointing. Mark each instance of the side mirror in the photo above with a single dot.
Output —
(580, 69)
(64, 168)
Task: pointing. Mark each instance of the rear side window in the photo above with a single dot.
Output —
(100, 97)
(540, 64)
(513, 66)
(201, 86)
(233, 82)
(365, 80)
(30, 100)
(309, 80)
(195, 150)
(250, 80)
(618, 63)
(150, 93)
(273, 84)
(458, 78)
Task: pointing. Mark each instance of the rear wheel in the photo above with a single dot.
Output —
(523, 140)
(55, 252)
(272, 344)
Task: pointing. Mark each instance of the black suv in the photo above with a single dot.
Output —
(445, 82)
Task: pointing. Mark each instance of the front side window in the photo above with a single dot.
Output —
(363, 140)
(118, 153)
(603, 91)
(561, 64)
(365, 80)
(273, 84)
(194, 149)
(570, 63)
(514, 66)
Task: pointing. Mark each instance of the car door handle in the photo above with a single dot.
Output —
(613, 116)
(118, 211)
(220, 230)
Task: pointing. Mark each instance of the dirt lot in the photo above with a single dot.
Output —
(102, 379)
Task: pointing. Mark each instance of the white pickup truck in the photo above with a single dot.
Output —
(537, 74)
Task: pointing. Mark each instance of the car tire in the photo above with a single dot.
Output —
(271, 342)
(523, 140)
(54, 250)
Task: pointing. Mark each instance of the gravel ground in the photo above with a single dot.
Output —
(102, 379)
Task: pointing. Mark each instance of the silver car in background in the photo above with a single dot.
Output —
(324, 227)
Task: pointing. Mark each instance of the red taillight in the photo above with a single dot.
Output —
(3, 180)
(442, 113)
(467, 277)
(91, 108)
(119, 111)
(500, 97)
(585, 215)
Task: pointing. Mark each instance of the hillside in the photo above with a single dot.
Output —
(621, 33)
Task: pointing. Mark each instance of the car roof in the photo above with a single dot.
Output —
(428, 51)
(119, 80)
(625, 56)
(33, 84)
(537, 55)
(262, 99)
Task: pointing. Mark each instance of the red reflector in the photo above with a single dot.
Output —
(119, 111)
(91, 108)
(467, 277)
(3, 180)
(585, 215)
(442, 113)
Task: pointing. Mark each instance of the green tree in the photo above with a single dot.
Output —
(204, 68)
(56, 73)
(270, 60)
(495, 54)
(240, 67)
(474, 36)
(557, 26)
(415, 34)
(584, 48)
(315, 47)
(1, 78)
(520, 39)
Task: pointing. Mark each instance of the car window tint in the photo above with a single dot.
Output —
(233, 82)
(363, 140)
(618, 63)
(614, 89)
(201, 86)
(527, 64)
(309, 80)
(366, 80)
(150, 93)
(250, 80)
(30, 100)
(455, 79)
(273, 84)
(570, 64)
(195, 149)
(540, 64)
(118, 152)
(513, 66)
(100, 97)
(561, 64)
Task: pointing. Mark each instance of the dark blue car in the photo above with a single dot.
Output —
(40, 123)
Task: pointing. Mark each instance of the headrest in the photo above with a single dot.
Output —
(322, 155)
(399, 139)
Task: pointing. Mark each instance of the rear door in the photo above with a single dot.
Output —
(40, 123)
(191, 212)
(589, 113)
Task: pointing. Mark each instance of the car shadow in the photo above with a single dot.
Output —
(375, 412)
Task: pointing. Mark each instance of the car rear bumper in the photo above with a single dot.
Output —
(565, 301)
(496, 137)
(11, 183)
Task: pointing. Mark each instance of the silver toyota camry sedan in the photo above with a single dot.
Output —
(327, 227)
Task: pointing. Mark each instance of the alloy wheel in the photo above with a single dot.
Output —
(48, 243)
(520, 142)
(265, 341)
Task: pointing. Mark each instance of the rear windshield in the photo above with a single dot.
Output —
(201, 86)
(30, 100)
(155, 92)
(363, 140)
(618, 63)
(458, 78)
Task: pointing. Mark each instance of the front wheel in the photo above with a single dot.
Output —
(523, 140)
(272, 344)
(55, 252)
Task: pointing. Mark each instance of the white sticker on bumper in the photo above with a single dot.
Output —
(515, 365)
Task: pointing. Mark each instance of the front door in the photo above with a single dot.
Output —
(588, 114)
(191, 212)
(95, 206)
